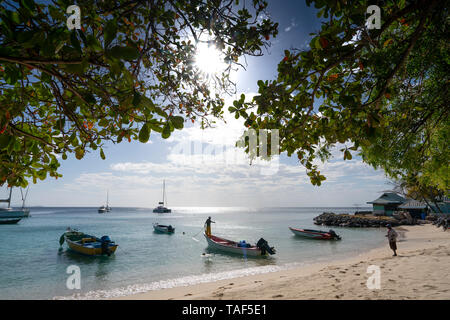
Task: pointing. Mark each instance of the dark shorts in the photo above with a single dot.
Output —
(393, 245)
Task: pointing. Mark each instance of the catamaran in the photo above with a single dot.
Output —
(161, 205)
(9, 212)
(107, 208)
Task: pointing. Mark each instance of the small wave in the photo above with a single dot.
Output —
(177, 282)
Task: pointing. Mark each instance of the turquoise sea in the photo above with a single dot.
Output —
(32, 265)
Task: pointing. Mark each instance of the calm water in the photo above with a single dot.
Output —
(32, 266)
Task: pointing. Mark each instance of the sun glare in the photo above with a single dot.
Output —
(209, 60)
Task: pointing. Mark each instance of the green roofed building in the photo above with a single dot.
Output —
(386, 204)
(417, 209)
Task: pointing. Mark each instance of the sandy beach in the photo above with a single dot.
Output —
(420, 271)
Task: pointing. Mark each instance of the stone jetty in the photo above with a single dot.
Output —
(359, 221)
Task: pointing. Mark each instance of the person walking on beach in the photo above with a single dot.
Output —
(392, 237)
(208, 226)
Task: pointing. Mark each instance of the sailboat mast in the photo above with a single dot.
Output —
(164, 191)
(9, 200)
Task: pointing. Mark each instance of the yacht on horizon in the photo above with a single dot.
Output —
(107, 208)
(161, 205)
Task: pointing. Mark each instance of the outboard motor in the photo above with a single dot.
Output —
(264, 246)
(105, 241)
(334, 235)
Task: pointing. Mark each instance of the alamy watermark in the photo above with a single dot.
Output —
(374, 281)
(74, 280)
(74, 20)
(262, 147)
(374, 20)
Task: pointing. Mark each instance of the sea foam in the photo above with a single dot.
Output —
(177, 282)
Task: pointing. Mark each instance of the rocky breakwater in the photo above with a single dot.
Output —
(355, 221)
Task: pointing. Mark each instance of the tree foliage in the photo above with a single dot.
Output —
(382, 92)
(128, 72)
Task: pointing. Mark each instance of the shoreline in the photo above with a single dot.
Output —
(420, 271)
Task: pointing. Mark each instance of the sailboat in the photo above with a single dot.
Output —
(9, 212)
(107, 208)
(161, 205)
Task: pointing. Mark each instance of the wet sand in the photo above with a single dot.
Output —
(420, 271)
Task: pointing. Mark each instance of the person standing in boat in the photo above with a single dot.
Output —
(208, 226)
(392, 237)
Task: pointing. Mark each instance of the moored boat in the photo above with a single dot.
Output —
(262, 248)
(107, 208)
(10, 213)
(161, 208)
(9, 221)
(315, 234)
(163, 228)
(87, 244)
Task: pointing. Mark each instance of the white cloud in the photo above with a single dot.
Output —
(292, 25)
(216, 173)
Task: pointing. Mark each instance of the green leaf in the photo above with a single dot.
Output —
(75, 42)
(178, 122)
(144, 133)
(347, 155)
(29, 4)
(125, 53)
(110, 32)
(79, 153)
(93, 43)
(4, 141)
(136, 99)
(102, 154)
(166, 131)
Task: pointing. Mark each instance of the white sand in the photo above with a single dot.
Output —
(420, 271)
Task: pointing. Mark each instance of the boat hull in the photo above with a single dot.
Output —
(229, 246)
(88, 250)
(312, 234)
(9, 221)
(163, 229)
(164, 210)
(89, 246)
(22, 213)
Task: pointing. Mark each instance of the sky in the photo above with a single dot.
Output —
(213, 172)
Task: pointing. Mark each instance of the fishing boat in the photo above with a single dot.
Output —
(161, 205)
(262, 248)
(9, 221)
(315, 234)
(87, 244)
(163, 228)
(107, 208)
(9, 212)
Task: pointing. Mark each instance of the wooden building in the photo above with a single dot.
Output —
(387, 204)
